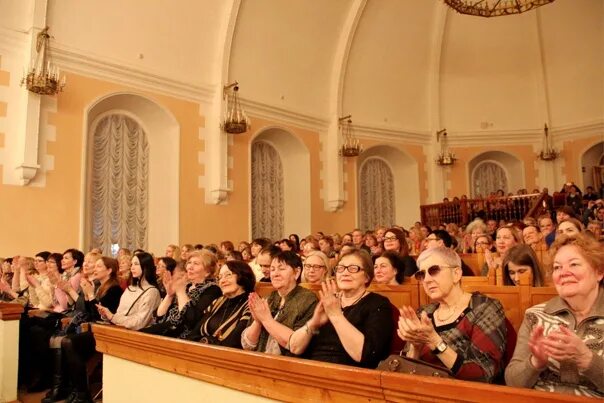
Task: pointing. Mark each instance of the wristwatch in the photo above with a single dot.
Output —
(440, 348)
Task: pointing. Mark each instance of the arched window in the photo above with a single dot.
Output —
(267, 192)
(376, 194)
(119, 177)
(488, 177)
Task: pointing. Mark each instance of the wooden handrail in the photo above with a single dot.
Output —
(10, 311)
(294, 379)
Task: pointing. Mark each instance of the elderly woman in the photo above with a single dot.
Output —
(226, 318)
(394, 240)
(388, 269)
(316, 267)
(352, 326)
(287, 308)
(560, 342)
(464, 332)
(474, 229)
(521, 259)
(507, 236)
(188, 294)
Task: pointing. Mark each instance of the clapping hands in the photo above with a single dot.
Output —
(416, 330)
(259, 308)
(560, 345)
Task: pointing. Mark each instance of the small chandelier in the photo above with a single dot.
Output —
(495, 8)
(548, 153)
(43, 77)
(351, 147)
(235, 120)
(445, 158)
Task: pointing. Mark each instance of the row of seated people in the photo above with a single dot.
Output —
(466, 332)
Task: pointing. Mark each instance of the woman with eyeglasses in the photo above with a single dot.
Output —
(225, 319)
(350, 325)
(560, 344)
(395, 240)
(464, 332)
(316, 268)
(287, 308)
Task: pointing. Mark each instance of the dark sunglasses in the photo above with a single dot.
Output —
(433, 271)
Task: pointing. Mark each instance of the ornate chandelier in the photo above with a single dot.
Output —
(495, 8)
(43, 77)
(351, 147)
(235, 120)
(548, 153)
(445, 158)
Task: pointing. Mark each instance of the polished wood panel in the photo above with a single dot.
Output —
(10, 311)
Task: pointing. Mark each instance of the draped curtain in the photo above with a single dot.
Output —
(119, 184)
(376, 195)
(489, 177)
(267, 192)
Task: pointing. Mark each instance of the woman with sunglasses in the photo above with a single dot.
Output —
(464, 332)
(352, 326)
(287, 308)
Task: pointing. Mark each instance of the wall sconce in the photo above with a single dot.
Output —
(494, 8)
(548, 153)
(43, 76)
(235, 120)
(445, 158)
(351, 147)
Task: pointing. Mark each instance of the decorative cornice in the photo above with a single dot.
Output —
(102, 67)
(576, 131)
(392, 134)
(263, 110)
(12, 41)
(494, 137)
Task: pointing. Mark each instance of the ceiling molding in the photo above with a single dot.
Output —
(13, 42)
(577, 131)
(266, 111)
(392, 134)
(105, 68)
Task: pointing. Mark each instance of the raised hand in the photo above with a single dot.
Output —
(565, 345)
(537, 348)
(64, 285)
(167, 282)
(330, 299)
(32, 280)
(259, 308)
(319, 317)
(417, 331)
(87, 288)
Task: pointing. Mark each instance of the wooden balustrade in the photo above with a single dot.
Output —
(279, 378)
(461, 212)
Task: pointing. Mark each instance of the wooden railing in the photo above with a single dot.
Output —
(284, 378)
(462, 212)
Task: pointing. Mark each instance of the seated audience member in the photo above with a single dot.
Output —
(264, 259)
(351, 326)
(188, 294)
(521, 259)
(464, 332)
(140, 300)
(164, 264)
(471, 234)
(560, 342)
(185, 250)
(70, 347)
(441, 238)
(415, 241)
(548, 229)
(124, 272)
(226, 247)
(507, 237)
(388, 269)
(316, 268)
(287, 308)
(595, 228)
(326, 245)
(296, 240)
(246, 255)
(569, 227)
(234, 255)
(532, 236)
(257, 245)
(173, 252)
(483, 243)
(224, 320)
(286, 244)
(394, 240)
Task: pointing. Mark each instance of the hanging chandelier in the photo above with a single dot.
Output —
(351, 147)
(445, 158)
(495, 8)
(548, 153)
(43, 76)
(235, 120)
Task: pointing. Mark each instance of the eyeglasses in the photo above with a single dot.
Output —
(352, 268)
(225, 276)
(390, 238)
(433, 271)
(432, 238)
(265, 266)
(308, 266)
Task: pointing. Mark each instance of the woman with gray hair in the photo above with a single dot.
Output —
(464, 332)
(316, 268)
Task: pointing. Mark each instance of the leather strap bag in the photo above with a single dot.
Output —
(405, 365)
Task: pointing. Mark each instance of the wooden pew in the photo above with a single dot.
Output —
(165, 362)
(475, 261)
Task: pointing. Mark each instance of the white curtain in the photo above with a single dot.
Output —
(119, 184)
(267, 192)
(376, 189)
(489, 177)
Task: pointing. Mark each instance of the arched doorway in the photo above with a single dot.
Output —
(267, 192)
(592, 165)
(495, 170)
(376, 194)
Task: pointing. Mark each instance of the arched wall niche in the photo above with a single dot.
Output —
(295, 158)
(406, 181)
(163, 135)
(592, 157)
(513, 167)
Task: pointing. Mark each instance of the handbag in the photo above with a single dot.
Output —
(405, 365)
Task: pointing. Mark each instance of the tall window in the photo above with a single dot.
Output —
(376, 194)
(119, 178)
(488, 177)
(267, 192)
